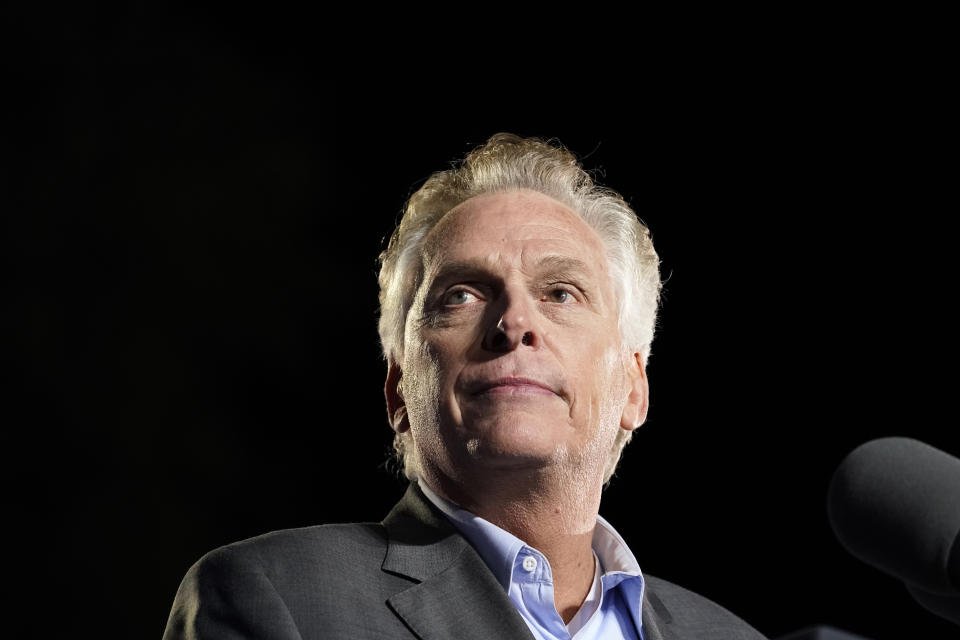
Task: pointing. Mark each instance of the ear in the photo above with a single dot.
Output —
(396, 405)
(638, 399)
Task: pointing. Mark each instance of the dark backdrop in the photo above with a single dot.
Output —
(197, 198)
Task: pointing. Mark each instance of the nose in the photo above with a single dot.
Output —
(514, 328)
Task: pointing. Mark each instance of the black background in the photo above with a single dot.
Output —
(197, 198)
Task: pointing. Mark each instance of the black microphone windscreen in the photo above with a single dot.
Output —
(894, 503)
(945, 606)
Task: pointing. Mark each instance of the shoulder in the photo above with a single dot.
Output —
(284, 584)
(692, 615)
(295, 553)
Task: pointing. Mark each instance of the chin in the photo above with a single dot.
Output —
(513, 443)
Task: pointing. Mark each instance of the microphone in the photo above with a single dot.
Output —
(894, 503)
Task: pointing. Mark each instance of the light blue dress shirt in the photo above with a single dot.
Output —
(612, 609)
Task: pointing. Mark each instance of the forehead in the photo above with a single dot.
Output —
(517, 228)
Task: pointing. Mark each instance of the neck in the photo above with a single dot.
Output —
(555, 516)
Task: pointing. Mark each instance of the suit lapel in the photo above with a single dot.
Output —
(454, 594)
(656, 618)
(465, 601)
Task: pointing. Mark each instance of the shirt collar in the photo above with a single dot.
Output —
(499, 548)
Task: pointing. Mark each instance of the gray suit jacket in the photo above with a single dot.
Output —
(411, 576)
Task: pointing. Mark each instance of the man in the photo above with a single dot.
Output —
(517, 309)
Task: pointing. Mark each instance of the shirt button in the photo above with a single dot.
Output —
(529, 564)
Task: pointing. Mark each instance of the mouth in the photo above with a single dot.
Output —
(511, 387)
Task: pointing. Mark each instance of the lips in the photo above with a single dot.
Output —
(511, 386)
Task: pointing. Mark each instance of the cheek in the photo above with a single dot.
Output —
(610, 381)
(429, 373)
(599, 361)
(597, 378)
(420, 377)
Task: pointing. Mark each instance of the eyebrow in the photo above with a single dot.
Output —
(563, 265)
(553, 264)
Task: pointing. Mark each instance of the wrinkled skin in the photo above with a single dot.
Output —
(513, 359)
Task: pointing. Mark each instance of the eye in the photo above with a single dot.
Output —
(459, 297)
(560, 296)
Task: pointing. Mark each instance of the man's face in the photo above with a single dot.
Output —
(513, 356)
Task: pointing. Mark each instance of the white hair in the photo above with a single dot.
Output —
(507, 162)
